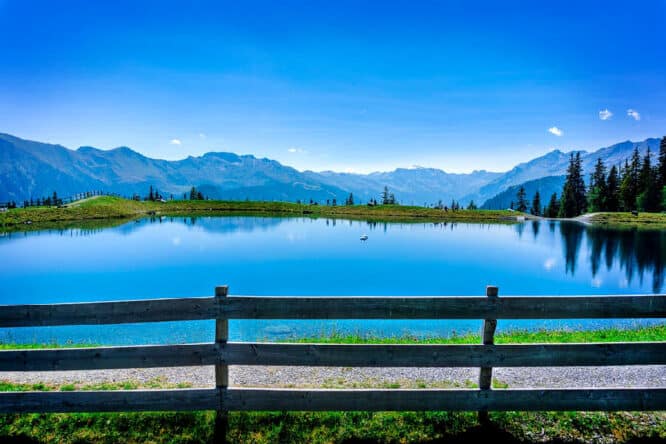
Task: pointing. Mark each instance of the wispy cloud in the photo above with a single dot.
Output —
(176, 142)
(202, 136)
(633, 114)
(294, 150)
(604, 114)
(555, 130)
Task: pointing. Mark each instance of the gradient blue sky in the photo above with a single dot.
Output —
(358, 86)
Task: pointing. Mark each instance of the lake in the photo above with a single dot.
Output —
(177, 257)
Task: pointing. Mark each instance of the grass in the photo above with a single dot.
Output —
(107, 211)
(346, 427)
(117, 210)
(655, 221)
(336, 427)
(15, 346)
(649, 333)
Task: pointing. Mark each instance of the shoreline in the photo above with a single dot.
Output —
(106, 211)
(100, 210)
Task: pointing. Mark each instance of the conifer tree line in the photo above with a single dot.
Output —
(637, 185)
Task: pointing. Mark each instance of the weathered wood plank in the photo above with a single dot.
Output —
(473, 355)
(109, 401)
(336, 355)
(489, 326)
(221, 337)
(221, 369)
(109, 357)
(638, 399)
(120, 312)
(250, 307)
(245, 307)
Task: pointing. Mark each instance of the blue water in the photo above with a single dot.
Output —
(176, 257)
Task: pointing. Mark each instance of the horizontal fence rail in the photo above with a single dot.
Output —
(239, 399)
(116, 312)
(245, 307)
(336, 355)
(223, 353)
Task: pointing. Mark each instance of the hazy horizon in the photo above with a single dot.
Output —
(324, 170)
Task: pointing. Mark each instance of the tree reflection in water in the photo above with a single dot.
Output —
(638, 253)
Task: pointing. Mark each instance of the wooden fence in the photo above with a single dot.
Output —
(223, 353)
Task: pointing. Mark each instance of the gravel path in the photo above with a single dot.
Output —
(335, 377)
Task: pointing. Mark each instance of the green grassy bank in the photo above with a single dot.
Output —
(649, 333)
(336, 427)
(105, 211)
(654, 221)
(106, 208)
(346, 427)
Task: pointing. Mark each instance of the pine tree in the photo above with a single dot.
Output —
(553, 206)
(350, 199)
(598, 188)
(471, 206)
(645, 173)
(649, 193)
(193, 193)
(629, 185)
(662, 163)
(573, 202)
(579, 186)
(522, 202)
(536, 205)
(151, 196)
(385, 196)
(612, 195)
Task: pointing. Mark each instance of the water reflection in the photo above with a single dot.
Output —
(639, 254)
(189, 256)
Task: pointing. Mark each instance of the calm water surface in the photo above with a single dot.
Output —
(175, 257)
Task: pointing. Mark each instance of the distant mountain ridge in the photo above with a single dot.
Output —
(555, 163)
(546, 186)
(33, 169)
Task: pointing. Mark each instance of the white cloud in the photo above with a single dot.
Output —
(202, 136)
(176, 142)
(634, 114)
(604, 114)
(294, 150)
(555, 130)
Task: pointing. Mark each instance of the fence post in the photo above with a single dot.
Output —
(221, 370)
(486, 373)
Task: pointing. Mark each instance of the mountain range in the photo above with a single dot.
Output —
(33, 169)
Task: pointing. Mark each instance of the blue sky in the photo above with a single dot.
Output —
(347, 86)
